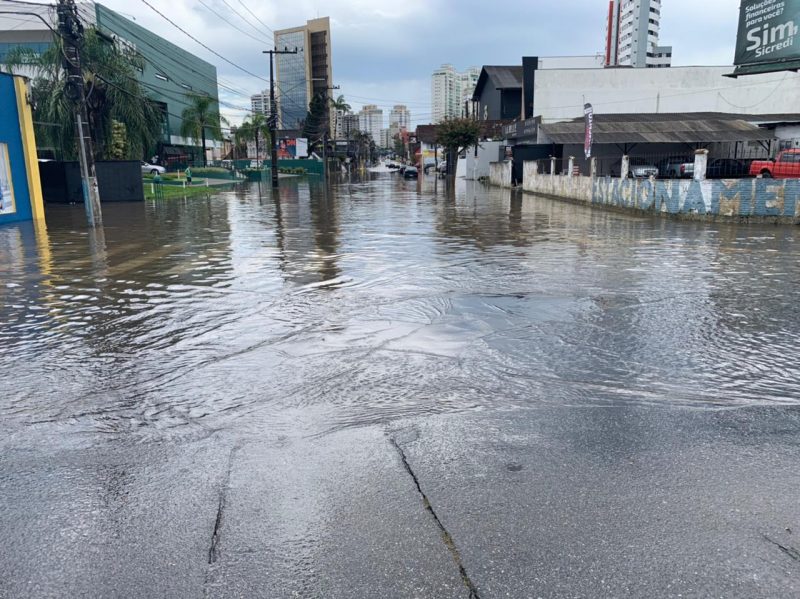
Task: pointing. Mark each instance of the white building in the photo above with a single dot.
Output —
(632, 34)
(450, 90)
(400, 117)
(559, 94)
(468, 81)
(259, 103)
(370, 120)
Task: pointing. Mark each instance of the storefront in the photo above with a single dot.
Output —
(20, 187)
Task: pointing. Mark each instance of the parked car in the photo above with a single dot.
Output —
(785, 166)
(411, 172)
(670, 168)
(723, 168)
(640, 168)
(152, 169)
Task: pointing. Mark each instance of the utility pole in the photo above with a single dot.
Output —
(71, 31)
(273, 115)
(325, 132)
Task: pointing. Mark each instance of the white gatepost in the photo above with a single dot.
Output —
(625, 167)
(593, 167)
(552, 165)
(700, 165)
(571, 171)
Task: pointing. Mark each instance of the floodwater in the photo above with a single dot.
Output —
(379, 300)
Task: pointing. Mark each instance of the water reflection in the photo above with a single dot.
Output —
(380, 298)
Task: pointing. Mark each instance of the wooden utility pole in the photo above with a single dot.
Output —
(273, 114)
(71, 31)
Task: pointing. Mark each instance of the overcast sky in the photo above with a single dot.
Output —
(384, 51)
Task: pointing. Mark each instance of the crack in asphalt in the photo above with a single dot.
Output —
(790, 551)
(446, 536)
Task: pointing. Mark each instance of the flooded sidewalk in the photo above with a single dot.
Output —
(391, 389)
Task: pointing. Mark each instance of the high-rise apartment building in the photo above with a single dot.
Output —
(370, 120)
(400, 117)
(451, 90)
(350, 124)
(259, 103)
(632, 34)
(469, 79)
(303, 75)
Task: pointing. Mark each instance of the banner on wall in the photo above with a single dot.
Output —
(588, 113)
(768, 39)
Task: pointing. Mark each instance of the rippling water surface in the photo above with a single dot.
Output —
(378, 300)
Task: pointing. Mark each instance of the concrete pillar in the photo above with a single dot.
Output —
(625, 167)
(700, 165)
(552, 165)
(571, 166)
(593, 167)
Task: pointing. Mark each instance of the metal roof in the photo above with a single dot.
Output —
(658, 128)
(501, 77)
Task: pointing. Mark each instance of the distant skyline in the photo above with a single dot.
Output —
(385, 52)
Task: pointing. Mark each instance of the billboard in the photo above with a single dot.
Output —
(289, 148)
(768, 38)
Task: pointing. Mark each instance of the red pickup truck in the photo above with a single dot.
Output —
(785, 166)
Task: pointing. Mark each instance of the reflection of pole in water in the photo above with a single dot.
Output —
(97, 250)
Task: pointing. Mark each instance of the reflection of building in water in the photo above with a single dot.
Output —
(307, 233)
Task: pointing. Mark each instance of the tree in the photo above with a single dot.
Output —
(399, 146)
(254, 128)
(113, 93)
(457, 135)
(201, 120)
(316, 125)
(339, 105)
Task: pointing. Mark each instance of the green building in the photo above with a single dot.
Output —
(170, 73)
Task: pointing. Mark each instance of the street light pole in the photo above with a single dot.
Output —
(273, 115)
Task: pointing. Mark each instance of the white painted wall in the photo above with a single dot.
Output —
(560, 94)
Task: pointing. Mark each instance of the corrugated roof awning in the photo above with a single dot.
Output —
(661, 129)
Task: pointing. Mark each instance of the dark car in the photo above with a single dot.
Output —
(411, 172)
(727, 168)
(670, 168)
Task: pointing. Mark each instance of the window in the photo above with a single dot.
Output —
(162, 77)
(186, 86)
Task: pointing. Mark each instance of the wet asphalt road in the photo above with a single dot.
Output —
(389, 391)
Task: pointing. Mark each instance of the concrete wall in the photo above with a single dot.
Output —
(476, 167)
(560, 93)
(769, 199)
(500, 173)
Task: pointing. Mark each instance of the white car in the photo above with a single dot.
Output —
(152, 169)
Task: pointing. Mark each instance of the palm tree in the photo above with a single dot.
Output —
(113, 94)
(201, 120)
(254, 128)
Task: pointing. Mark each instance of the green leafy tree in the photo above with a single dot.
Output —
(112, 90)
(399, 146)
(201, 121)
(457, 135)
(339, 105)
(255, 128)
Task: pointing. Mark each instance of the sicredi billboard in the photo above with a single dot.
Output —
(768, 35)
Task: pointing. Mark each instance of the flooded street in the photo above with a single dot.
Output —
(248, 397)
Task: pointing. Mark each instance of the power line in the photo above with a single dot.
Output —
(247, 8)
(239, 29)
(190, 36)
(238, 14)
